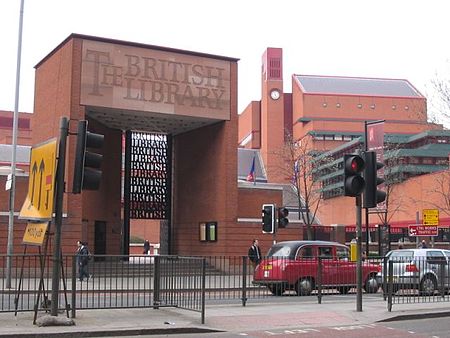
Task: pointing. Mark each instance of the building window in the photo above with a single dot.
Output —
(208, 231)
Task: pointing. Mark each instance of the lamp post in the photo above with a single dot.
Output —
(12, 191)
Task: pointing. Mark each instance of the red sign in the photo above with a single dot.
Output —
(423, 230)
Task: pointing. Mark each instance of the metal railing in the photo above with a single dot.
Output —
(114, 282)
(407, 280)
(185, 282)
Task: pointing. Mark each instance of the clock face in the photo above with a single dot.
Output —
(275, 94)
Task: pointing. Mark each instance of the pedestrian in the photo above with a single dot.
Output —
(254, 253)
(423, 244)
(146, 247)
(83, 257)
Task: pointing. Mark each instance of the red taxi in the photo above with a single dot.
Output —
(294, 265)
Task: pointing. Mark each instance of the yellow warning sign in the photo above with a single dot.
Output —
(35, 233)
(430, 216)
(38, 204)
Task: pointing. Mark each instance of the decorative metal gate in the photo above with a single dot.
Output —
(147, 185)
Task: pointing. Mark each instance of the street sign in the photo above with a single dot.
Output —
(430, 216)
(35, 233)
(38, 204)
(422, 230)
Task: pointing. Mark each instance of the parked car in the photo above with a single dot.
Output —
(422, 269)
(294, 265)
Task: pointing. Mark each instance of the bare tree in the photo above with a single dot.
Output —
(391, 205)
(440, 99)
(442, 190)
(299, 164)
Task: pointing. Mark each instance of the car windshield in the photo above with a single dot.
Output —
(281, 251)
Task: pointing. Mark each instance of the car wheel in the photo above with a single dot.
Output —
(428, 285)
(304, 287)
(371, 284)
(276, 289)
(344, 289)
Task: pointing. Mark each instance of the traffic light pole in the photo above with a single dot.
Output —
(61, 168)
(358, 254)
(366, 212)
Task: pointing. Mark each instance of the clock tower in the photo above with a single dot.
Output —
(272, 112)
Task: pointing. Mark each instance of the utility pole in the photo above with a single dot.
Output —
(60, 172)
(12, 190)
(358, 254)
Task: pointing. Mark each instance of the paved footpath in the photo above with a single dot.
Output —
(269, 314)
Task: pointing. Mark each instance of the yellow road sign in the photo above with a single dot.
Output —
(430, 216)
(38, 204)
(35, 233)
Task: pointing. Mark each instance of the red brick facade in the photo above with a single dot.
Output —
(204, 170)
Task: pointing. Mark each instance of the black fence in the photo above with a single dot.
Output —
(188, 282)
(416, 276)
(114, 282)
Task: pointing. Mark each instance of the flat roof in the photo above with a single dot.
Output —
(340, 85)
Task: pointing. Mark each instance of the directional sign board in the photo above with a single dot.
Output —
(38, 204)
(422, 230)
(430, 216)
(35, 233)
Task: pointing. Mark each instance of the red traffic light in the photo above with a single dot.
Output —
(354, 164)
(353, 182)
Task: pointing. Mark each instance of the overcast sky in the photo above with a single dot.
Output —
(383, 39)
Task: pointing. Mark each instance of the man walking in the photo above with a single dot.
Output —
(83, 261)
(254, 253)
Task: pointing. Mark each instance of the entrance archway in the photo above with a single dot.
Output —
(186, 100)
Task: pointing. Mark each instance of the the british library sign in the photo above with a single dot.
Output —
(135, 78)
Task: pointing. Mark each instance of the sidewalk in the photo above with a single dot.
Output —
(281, 312)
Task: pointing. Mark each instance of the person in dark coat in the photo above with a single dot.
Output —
(83, 257)
(146, 247)
(254, 253)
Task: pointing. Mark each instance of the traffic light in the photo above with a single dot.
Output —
(87, 174)
(353, 181)
(372, 196)
(268, 218)
(283, 213)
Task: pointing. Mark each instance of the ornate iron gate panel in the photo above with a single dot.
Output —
(148, 168)
(147, 185)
